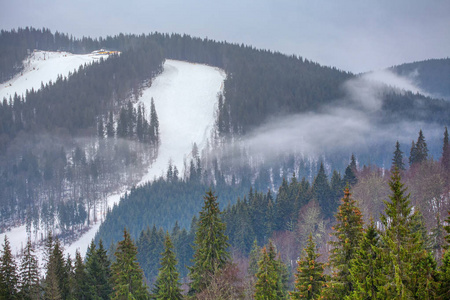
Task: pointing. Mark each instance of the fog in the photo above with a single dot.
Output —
(346, 126)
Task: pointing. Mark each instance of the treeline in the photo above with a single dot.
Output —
(367, 261)
(431, 75)
(75, 140)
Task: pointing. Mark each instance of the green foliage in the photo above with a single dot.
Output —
(397, 160)
(309, 276)
(366, 268)
(408, 270)
(270, 282)
(321, 190)
(98, 274)
(210, 245)
(348, 233)
(167, 286)
(29, 274)
(8, 273)
(127, 276)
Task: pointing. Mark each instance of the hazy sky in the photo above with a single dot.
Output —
(351, 35)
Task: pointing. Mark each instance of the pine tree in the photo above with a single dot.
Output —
(80, 289)
(397, 160)
(8, 273)
(366, 266)
(154, 124)
(128, 278)
(270, 278)
(98, 271)
(309, 278)
(321, 190)
(421, 148)
(210, 245)
(254, 257)
(350, 172)
(407, 267)
(413, 154)
(348, 233)
(167, 286)
(29, 274)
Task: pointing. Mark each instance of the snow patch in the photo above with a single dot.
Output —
(43, 67)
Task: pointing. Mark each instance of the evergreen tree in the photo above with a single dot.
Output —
(309, 278)
(127, 276)
(98, 272)
(210, 245)
(413, 154)
(321, 191)
(110, 132)
(366, 266)
(421, 148)
(29, 274)
(80, 288)
(407, 267)
(397, 160)
(348, 233)
(8, 273)
(154, 123)
(254, 257)
(350, 172)
(167, 286)
(270, 281)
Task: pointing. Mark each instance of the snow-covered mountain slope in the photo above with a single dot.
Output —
(185, 97)
(43, 67)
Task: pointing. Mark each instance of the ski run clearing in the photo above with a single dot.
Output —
(185, 97)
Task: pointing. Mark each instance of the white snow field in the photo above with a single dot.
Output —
(185, 97)
(43, 67)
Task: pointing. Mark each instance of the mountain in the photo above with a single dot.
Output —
(432, 76)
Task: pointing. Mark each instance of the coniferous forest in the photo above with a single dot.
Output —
(232, 224)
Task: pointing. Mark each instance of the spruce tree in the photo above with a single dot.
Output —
(348, 233)
(210, 245)
(397, 160)
(321, 190)
(167, 286)
(29, 274)
(413, 154)
(80, 288)
(350, 172)
(445, 159)
(367, 266)
(254, 257)
(421, 148)
(407, 267)
(270, 278)
(98, 271)
(309, 278)
(8, 273)
(128, 278)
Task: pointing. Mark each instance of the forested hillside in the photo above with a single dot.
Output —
(432, 75)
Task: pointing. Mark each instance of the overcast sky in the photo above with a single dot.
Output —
(353, 35)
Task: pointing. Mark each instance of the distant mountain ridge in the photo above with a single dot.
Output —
(432, 75)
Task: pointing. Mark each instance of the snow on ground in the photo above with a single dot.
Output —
(43, 67)
(185, 97)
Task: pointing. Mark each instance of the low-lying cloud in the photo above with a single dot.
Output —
(345, 126)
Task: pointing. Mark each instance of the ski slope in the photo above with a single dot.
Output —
(185, 97)
(43, 67)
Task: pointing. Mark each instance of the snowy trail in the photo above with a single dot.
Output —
(43, 67)
(185, 97)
